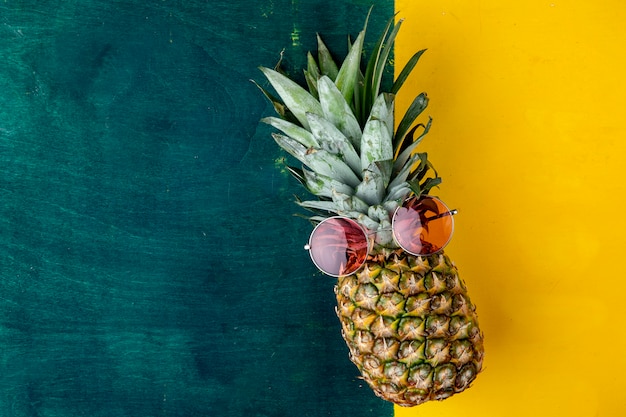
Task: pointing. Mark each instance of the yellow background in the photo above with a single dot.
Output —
(529, 136)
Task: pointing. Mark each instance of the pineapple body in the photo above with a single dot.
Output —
(410, 327)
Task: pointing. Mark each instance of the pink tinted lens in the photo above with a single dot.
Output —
(423, 226)
(338, 246)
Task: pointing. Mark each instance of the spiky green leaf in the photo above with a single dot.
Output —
(415, 109)
(408, 150)
(415, 187)
(430, 183)
(376, 139)
(341, 204)
(349, 203)
(297, 173)
(383, 110)
(349, 72)
(319, 205)
(406, 71)
(386, 169)
(327, 64)
(294, 131)
(333, 141)
(296, 98)
(383, 56)
(424, 168)
(323, 186)
(397, 192)
(368, 92)
(326, 163)
(318, 160)
(338, 111)
(384, 234)
(311, 84)
(405, 170)
(311, 74)
(372, 188)
(292, 146)
(279, 106)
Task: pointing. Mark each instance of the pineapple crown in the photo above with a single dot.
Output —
(340, 126)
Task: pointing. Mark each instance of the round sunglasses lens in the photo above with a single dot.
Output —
(338, 246)
(423, 226)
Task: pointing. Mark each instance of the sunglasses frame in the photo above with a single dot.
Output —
(309, 244)
(444, 213)
(367, 233)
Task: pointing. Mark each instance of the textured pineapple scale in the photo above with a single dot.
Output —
(410, 327)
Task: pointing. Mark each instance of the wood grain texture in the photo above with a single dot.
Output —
(149, 260)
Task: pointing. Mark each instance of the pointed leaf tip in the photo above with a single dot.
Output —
(296, 99)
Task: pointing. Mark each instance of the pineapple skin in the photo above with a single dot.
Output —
(410, 327)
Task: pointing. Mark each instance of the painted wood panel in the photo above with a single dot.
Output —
(149, 260)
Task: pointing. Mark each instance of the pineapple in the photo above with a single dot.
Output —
(409, 324)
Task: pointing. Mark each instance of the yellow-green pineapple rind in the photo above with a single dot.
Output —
(410, 327)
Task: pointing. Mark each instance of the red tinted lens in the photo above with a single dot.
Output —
(338, 246)
(423, 226)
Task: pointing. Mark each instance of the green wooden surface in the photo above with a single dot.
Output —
(150, 264)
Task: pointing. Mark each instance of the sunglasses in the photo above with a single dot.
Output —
(422, 226)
